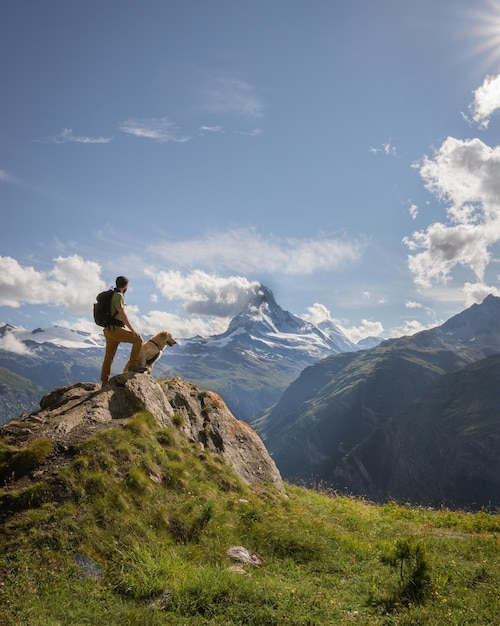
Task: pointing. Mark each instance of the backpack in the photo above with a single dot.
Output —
(102, 308)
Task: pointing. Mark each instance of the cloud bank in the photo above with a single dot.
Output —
(465, 175)
(206, 294)
(245, 251)
(10, 343)
(72, 283)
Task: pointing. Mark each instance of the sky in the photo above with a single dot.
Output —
(344, 154)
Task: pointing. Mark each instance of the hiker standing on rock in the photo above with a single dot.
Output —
(119, 330)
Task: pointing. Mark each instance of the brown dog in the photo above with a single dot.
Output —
(151, 351)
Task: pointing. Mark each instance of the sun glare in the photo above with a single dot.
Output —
(482, 24)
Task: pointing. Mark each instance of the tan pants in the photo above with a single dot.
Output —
(115, 335)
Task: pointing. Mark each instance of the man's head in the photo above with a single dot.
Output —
(121, 283)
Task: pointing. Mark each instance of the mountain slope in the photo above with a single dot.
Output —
(443, 449)
(337, 403)
(256, 358)
(17, 395)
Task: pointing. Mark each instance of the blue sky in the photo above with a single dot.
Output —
(345, 154)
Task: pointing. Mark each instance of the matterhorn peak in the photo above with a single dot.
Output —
(262, 314)
(263, 295)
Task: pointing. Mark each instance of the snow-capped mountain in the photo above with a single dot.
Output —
(264, 327)
(263, 350)
(250, 365)
(55, 336)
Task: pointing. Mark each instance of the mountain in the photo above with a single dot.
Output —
(263, 350)
(341, 401)
(52, 357)
(442, 449)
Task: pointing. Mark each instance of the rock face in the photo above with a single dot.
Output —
(69, 415)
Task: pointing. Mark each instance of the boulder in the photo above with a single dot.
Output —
(69, 415)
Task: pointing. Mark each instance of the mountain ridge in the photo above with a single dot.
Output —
(263, 349)
(343, 400)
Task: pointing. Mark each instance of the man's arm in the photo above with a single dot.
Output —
(120, 313)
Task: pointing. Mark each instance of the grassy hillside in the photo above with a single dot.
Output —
(135, 529)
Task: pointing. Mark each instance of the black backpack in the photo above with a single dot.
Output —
(102, 308)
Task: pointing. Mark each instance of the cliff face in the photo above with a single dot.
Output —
(69, 415)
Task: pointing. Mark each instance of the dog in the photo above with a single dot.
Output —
(151, 351)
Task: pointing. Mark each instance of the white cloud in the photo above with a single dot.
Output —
(444, 248)
(413, 211)
(67, 135)
(367, 328)
(181, 326)
(486, 101)
(410, 327)
(72, 283)
(160, 129)
(245, 251)
(211, 129)
(225, 95)
(411, 304)
(466, 175)
(316, 314)
(386, 148)
(475, 293)
(255, 132)
(10, 343)
(206, 294)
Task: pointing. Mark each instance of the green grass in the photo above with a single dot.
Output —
(134, 531)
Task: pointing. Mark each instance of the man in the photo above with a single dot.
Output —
(120, 330)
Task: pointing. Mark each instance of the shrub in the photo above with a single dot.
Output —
(410, 560)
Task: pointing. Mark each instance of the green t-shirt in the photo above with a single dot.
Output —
(117, 302)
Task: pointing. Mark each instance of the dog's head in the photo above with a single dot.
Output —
(163, 339)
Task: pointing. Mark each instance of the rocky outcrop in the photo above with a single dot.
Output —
(69, 415)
